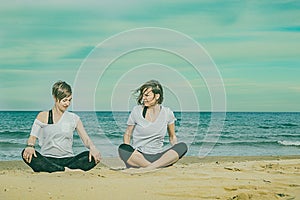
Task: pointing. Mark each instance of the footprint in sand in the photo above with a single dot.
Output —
(241, 196)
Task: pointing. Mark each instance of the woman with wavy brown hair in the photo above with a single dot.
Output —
(147, 126)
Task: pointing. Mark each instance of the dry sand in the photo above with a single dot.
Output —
(235, 178)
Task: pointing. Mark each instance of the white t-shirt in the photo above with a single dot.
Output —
(148, 137)
(56, 140)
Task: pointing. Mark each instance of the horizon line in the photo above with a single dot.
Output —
(188, 111)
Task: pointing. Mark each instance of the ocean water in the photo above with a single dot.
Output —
(207, 134)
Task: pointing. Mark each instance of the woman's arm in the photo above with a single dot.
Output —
(29, 150)
(31, 140)
(127, 134)
(171, 132)
(88, 142)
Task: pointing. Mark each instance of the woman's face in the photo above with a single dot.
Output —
(64, 103)
(149, 98)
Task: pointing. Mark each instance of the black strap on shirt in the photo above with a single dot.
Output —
(50, 117)
(144, 111)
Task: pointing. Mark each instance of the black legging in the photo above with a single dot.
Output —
(125, 151)
(48, 164)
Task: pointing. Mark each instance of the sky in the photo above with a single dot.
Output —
(209, 55)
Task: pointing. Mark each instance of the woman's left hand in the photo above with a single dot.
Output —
(95, 154)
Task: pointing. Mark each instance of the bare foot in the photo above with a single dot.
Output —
(73, 170)
(139, 170)
(117, 168)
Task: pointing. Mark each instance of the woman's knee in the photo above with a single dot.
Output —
(22, 152)
(181, 149)
(125, 151)
(38, 155)
(126, 147)
(22, 155)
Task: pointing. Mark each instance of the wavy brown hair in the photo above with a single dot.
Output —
(156, 89)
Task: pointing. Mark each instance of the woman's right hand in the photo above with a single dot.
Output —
(28, 152)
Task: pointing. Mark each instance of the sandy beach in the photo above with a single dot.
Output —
(265, 177)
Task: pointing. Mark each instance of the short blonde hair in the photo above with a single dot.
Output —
(61, 90)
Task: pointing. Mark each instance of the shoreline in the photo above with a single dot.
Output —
(19, 164)
(211, 177)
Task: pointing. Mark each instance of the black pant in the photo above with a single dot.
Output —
(48, 164)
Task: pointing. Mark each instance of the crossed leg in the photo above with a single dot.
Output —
(137, 159)
(134, 158)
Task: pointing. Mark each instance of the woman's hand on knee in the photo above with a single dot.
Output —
(28, 152)
(95, 154)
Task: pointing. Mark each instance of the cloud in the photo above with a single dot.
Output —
(288, 29)
(256, 41)
(80, 53)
